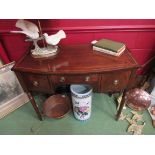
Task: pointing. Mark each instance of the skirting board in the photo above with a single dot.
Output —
(13, 105)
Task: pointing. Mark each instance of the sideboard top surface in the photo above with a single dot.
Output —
(75, 59)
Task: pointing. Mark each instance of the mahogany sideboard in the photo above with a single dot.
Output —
(76, 64)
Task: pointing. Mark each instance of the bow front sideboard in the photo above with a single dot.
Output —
(76, 64)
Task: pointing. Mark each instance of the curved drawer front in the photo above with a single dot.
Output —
(37, 82)
(114, 81)
(69, 79)
(92, 79)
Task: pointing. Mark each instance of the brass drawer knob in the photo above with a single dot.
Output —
(35, 83)
(62, 79)
(87, 78)
(116, 82)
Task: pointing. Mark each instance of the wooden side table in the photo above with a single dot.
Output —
(76, 64)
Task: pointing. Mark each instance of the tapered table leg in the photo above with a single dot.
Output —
(121, 106)
(133, 72)
(35, 106)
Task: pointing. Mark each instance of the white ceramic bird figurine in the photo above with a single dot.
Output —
(28, 28)
(55, 38)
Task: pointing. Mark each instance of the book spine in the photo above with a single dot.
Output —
(105, 51)
(110, 47)
(105, 48)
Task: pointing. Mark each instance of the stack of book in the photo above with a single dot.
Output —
(109, 47)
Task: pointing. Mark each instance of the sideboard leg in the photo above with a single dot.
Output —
(29, 95)
(35, 106)
(133, 73)
(121, 106)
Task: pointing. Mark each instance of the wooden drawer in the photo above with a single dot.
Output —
(58, 80)
(37, 82)
(114, 81)
(69, 79)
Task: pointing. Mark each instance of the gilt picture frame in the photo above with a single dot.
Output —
(12, 95)
(1, 63)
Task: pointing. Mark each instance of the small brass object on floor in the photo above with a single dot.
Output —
(134, 127)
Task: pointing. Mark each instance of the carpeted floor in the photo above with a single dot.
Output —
(24, 121)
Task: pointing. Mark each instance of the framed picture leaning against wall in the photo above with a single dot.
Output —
(12, 95)
(1, 63)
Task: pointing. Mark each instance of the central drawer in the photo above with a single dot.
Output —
(69, 79)
(92, 79)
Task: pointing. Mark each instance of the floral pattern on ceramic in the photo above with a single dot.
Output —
(82, 111)
(81, 99)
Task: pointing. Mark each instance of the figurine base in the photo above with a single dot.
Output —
(45, 52)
